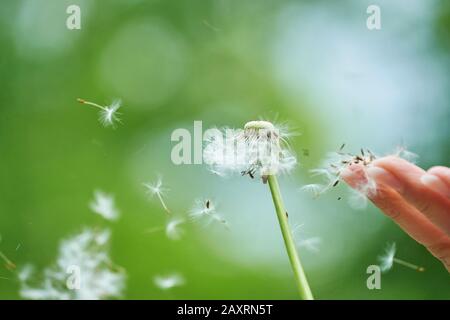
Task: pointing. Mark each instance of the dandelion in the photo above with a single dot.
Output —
(260, 150)
(108, 115)
(157, 189)
(98, 278)
(166, 282)
(103, 204)
(206, 210)
(388, 259)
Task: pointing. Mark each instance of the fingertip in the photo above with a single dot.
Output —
(435, 183)
(353, 175)
(391, 161)
(382, 176)
(442, 172)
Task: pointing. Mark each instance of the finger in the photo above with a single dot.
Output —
(436, 184)
(441, 250)
(406, 216)
(443, 173)
(393, 205)
(414, 223)
(405, 178)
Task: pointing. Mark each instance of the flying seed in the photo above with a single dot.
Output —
(335, 183)
(342, 147)
(207, 204)
(362, 152)
(8, 263)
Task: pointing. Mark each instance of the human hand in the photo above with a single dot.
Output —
(417, 200)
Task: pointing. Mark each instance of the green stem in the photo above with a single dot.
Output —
(300, 277)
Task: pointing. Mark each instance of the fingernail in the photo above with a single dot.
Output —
(435, 183)
(383, 176)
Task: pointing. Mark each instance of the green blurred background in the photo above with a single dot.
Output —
(313, 64)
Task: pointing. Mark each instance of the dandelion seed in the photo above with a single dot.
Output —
(403, 153)
(8, 263)
(217, 173)
(261, 149)
(25, 273)
(357, 199)
(312, 244)
(88, 251)
(295, 228)
(157, 189)
(206, 210)
(103, 204)
(314, 188)
(154, 229)
(173, 229)
(167, 282)
(108, 115)
(388, 259)
(331, 169)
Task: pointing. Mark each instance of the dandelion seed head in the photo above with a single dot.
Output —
(260, 149)
(104, 205)
(387, 259)
(88, 251)
(166, 282)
